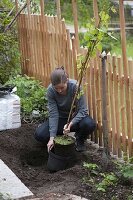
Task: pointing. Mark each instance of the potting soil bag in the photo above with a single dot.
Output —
(10, 112)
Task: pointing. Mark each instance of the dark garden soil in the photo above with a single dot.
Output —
(28, 160)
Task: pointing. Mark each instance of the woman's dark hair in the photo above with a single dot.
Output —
(58, 76)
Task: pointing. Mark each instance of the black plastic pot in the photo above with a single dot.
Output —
(56, 162)
(4, 90)
(65, 150)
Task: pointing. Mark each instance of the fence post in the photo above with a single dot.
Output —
(75, 17)
(58, 9)
(42, 7)
(123, 36)
(95, 10)
(104, 107)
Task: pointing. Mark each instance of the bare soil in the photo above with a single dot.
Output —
(28, 160)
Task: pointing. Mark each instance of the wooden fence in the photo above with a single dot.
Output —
(45, 43)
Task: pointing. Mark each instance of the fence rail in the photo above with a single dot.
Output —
(45, 43)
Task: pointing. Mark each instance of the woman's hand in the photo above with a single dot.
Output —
(50, 143)
(66, 128)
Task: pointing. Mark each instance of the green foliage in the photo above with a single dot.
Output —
(33, 98)
(63, 140)
(93, 168)
(130, 197)
(109, 179)
(90, 166)
(126, 168)
(9, 53)
(117, 49)
(95, 35)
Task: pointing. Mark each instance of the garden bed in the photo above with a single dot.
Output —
(28, 160)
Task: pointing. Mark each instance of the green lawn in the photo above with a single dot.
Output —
(118, 50)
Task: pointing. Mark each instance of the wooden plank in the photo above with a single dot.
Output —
(75, 17)
(57, 43)
(113, 131)
(117, 111)
(58, 9)
(130, 108)
(95, 10)
(42, 7)
(108, 75)
(98, 102)
(47, 69)
(123, 36)
(74, 53)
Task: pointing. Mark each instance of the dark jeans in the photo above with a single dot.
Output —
(85, 127)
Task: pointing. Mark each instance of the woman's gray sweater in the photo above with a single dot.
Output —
(59, 106)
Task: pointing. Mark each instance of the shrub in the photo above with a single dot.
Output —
(9, 51)
(33, 98)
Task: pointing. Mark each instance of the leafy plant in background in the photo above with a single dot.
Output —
(9, 52)
(109, 179)
(125, 171)
(92, 168)
(33, 98)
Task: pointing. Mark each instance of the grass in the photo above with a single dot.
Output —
(118, 50)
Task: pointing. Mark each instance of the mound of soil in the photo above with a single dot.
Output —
(28, 160)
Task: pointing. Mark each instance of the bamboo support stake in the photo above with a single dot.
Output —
(75, 17)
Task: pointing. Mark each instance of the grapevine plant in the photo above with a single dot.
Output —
(93, 37)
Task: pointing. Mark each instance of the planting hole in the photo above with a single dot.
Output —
(34, 158)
